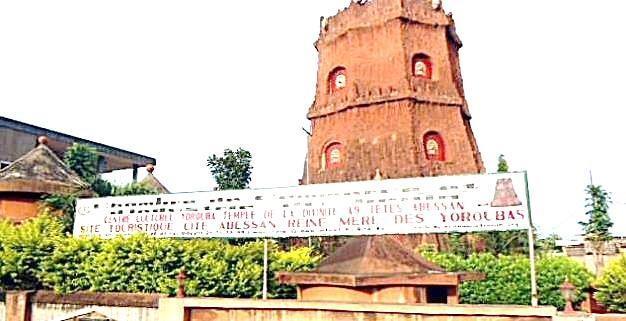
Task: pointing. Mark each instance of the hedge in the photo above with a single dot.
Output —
(507, 278)
(611, 286)
(37, 255)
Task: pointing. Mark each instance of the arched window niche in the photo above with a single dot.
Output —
(337, 80)
(422, 66)
(333, 156)
(434, 146)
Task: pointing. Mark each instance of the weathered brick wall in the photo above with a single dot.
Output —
(277, 315)
(383, 112)
(190, 309)
(18, 208)
(388, 136)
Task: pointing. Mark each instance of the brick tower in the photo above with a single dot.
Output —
(389, 95)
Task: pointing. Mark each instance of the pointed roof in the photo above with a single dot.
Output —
(41, 171)
(375, 256)
(376, 261)
(152, 181)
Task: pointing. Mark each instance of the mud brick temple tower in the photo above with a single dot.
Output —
(389, 95)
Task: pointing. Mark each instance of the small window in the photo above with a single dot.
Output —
(434, 147)
(337, 80)
(422, 66)
(4, 164)
(334, 156)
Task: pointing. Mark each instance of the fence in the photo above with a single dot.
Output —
(49, 306)
(48, 312)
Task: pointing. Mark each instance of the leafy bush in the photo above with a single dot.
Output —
(65, 270)
(507, 278)
(298, 260)
(37, 255)
(137, 264)
(22, 250)
(612, 286)
(136, 188)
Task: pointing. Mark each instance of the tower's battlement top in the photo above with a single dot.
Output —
(367, 13)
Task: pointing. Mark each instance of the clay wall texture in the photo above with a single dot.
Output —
(18, 208)
(382, 114)
(304, 315)
(192, 309)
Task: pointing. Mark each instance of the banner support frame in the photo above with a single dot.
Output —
(265, 266)
(531, 248)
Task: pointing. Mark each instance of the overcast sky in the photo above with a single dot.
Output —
(180, 80)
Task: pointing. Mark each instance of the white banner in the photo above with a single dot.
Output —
(401, 206)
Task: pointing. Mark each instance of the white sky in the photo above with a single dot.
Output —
(180, 80)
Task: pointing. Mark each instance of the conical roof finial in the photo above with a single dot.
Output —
(42, 140)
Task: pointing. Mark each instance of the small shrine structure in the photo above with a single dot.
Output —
(37, 173)
(378, 270)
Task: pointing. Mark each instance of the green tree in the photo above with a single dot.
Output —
(63, 207)
(503, 166)
(612, 286)
(83, 160)
(233, 170)
(597, 227)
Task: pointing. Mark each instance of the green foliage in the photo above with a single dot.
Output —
(612, 286)
(83, 160)
(506, 242)
(233, 170)
(102, 187)
(597, 228)
(65, 270)
(503, 166)
(63, 206)
(137, 264)
(548, 244)
(297, 260)
(136, 188)
(23, 249)
(38, 255)
(507, 278)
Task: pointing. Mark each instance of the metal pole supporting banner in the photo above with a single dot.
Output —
(265, 269)
(531, 249)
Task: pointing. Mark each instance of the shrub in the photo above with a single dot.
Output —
(139, 264)
(143, 264)
(22, 250)
(298, 260)
(65, 270)
(507, 278)
(612, 286)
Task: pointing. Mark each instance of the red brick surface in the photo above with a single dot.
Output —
(382, 114)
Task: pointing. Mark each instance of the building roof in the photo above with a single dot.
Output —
(374, 256)
(153, 182)
(376, 261)
(113, 158)
(41, 171)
